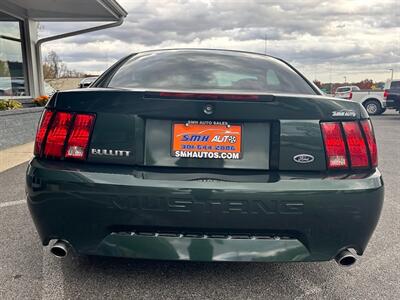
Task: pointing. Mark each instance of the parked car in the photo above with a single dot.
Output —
(85, 82)
(392, 92)
(345, 91)
(374, 101)
(16, 87)
(12, 86)
(205, 155)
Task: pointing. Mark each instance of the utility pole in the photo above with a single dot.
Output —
(265, 43)
(330, 78)
(345, 79)
(391, 77)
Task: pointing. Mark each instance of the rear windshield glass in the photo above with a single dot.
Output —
(208, 71)
(395, 84)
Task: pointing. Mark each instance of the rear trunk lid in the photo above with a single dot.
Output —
(254, 132)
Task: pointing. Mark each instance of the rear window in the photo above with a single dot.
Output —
(343, 90)
(395, 85)
(208, 71)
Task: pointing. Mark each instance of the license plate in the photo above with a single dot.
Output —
(212, 140)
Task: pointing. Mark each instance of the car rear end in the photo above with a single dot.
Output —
(345, 92)
(216, 176)
(392, 94)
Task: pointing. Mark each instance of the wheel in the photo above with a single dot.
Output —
(373, 107)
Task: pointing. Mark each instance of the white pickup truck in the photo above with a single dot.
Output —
(374, 101)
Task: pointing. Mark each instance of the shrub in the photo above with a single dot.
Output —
(41, 100)
(10, 104)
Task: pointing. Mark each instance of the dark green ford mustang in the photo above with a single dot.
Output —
(205, 155)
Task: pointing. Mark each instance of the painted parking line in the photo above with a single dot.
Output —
(12, 203)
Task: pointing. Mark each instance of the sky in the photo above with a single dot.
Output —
(325, 40)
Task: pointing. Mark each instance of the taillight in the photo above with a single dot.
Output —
(385, 95)
(54, 146)
(334, 146)
(64, 135)
(41, 132)
(356, 145)
(370, 136)
(79, 138)
(349, 144)
(350, 96)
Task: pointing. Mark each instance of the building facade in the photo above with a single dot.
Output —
(20, 58)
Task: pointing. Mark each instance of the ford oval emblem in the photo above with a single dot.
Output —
(303, 158)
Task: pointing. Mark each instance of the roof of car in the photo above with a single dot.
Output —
(346, 87)
(207, 50)
(89, 78)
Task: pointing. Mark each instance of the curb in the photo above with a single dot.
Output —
(15, 156)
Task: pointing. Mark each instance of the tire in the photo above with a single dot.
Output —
(373, 107)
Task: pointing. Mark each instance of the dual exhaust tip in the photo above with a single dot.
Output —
(60, 249)
(345, 258)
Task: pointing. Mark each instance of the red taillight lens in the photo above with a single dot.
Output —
(385, 95)
(350, 96)
(356, 144)
(54, 129)
(334, 145)
(79, 138)
(57, 134)
(41, 132)
(359, 145)
(370, 136)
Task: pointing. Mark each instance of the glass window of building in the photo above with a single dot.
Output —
(13, 80)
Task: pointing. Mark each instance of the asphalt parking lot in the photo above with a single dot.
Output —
(27, 271)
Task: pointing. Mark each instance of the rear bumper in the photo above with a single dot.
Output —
(390, 103)
(393, 102)
(113, 211)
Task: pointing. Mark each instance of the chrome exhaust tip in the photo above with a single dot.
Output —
(345, 258)
(60, 249)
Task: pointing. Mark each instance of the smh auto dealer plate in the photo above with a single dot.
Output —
(206, 139)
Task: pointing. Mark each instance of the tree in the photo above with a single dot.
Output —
(365, 84)
(54, 64)
(48, 71)
(4, 71)
(317, 83)
(53, 67)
